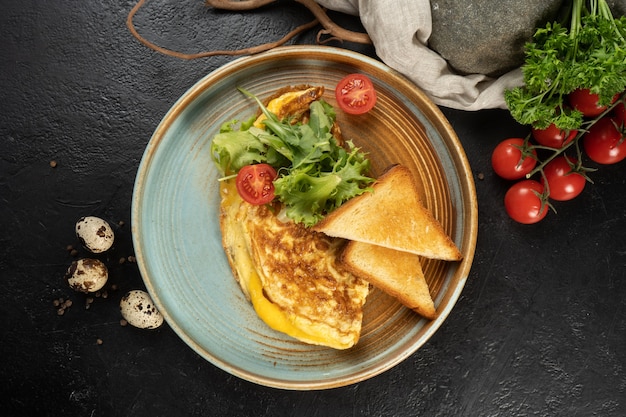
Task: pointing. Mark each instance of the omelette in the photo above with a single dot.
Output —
(288, 272)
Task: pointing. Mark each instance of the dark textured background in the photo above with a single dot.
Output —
(540, 328)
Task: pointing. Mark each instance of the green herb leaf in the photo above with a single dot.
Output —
(232, 150)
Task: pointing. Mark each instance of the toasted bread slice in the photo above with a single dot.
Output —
(397, 273)
(391, 216)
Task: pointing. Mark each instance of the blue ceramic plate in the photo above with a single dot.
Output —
(177, 236)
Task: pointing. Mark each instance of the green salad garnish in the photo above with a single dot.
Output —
(315, 173)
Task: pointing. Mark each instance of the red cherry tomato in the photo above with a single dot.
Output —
(586, 102)
(554, 137)
(509, 163)
(563, 183)
(255, 183)
(523, 202)
(604, 142)
(355, 94)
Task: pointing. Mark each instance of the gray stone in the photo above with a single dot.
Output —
(618, 7)
(487, 36)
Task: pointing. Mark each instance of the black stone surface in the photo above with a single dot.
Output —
(540, 328)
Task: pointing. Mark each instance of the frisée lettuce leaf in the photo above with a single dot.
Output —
(315, 173)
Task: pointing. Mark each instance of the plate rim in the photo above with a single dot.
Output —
(470, 233)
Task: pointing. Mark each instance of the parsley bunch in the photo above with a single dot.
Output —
(315, 174)
(590, 55)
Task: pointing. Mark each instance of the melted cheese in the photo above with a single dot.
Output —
(276, 318)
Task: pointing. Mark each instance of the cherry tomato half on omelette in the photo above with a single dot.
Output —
(255, 183)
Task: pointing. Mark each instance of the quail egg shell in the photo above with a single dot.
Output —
(139, 310)
(95, 234)
(87, 275)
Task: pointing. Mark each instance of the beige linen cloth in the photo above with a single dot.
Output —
(399, 30)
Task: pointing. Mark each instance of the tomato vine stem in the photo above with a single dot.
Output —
(581, 132)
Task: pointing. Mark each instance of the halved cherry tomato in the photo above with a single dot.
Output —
(508, 161)
(554, 137)
(586, 102)
(255, 183)
(563, 182)
(604, 143)
(355, 94)
(524, 202)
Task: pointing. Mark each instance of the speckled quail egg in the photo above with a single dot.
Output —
(139, 310)
(95, 234)
(87, 275)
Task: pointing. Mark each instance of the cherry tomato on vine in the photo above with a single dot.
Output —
(508, 161)
(604, 142)
(563, 182)
(554, 137)
(586, 102)
(255, 183)
(355, 94)
(524, 203)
